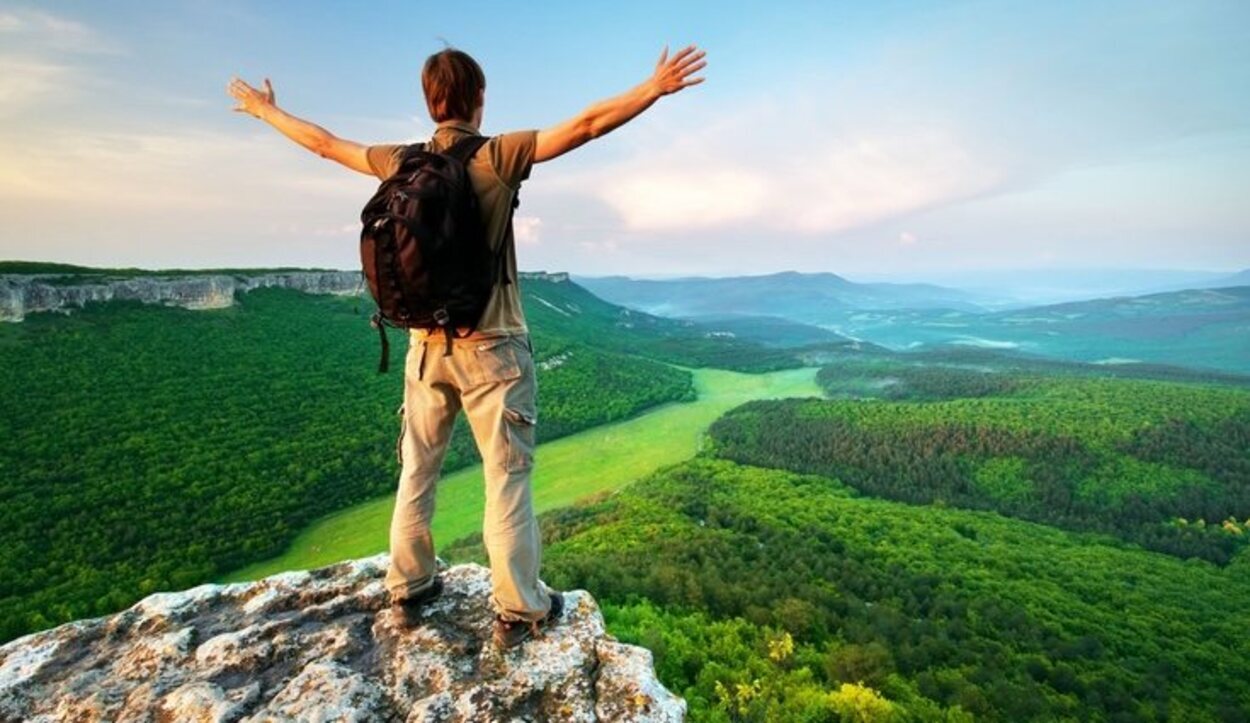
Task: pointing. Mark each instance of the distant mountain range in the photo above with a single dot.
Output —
(806, 298)
(1205, 328)
(1200, 328)
(1241, 278)
(1034, 287)
(809, 298)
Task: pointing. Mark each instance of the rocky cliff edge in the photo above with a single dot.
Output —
(324, 646)
(27, 294)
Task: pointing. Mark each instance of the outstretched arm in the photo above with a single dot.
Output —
(261, 104)
(670, 76)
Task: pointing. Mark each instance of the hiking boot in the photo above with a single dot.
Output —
(510, 633)
(409, 608)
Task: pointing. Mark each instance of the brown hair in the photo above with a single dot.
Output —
(453, 83)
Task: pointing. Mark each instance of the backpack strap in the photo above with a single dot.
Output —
(377, 321)
(509, 242)
(463, 149)
(412, 150)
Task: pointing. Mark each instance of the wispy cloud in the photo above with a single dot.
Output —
(26, 81)
(41, 59)
(808, 182)
(665, 196)
(39, 29)
(188, 170)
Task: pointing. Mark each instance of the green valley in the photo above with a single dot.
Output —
(152, 448)
(598, 460)
(948, 534)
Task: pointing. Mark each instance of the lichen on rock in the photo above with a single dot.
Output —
(325, 646)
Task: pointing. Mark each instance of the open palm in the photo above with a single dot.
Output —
(250, 99)
(673, 74)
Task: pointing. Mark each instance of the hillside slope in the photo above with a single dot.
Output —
(803, 297)
(1197, 328)
(767, 595)
(242, 424)
(561, 308)
(1162, 464)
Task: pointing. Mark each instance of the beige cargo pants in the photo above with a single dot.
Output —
(493, 381)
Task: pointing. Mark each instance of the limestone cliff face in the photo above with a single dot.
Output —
(26, 294)
(324, 646)
(557, 277)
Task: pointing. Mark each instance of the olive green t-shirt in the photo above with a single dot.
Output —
(496, 172)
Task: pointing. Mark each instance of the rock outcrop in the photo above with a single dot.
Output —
(324, 646)
(555, 277)
(22, 294)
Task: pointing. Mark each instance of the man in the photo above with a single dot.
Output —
(490, 374)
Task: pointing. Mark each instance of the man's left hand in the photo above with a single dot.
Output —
(251, 100)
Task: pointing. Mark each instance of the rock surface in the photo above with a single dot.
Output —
(22, 294)
(324, 646)
(27, 294)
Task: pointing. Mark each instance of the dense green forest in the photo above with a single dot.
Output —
(149, 448)
(951, 371)
(1162, 464)
(61, 274)
(769, 595)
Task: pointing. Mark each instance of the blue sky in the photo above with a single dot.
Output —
(878, 139)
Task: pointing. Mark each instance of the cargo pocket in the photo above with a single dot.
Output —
(494, 360)
(399, 441)
(520, 439)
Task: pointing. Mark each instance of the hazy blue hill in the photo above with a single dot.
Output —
(1039, 286)
(1235, 299)
(1241, 278)
(768, 330)
(807, 298)
(1201, 328)
(564, 308)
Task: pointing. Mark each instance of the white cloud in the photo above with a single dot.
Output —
(189, 170)
(43, 30)
(343, 230)
(27, 81)
(40, 63)
(663, 197)
(526, 230)
(805, 181)
(606, 246)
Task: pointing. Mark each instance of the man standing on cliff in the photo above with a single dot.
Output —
(490, 374)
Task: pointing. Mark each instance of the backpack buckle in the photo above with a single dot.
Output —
(441, 316)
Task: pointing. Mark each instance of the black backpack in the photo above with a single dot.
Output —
(424, 248)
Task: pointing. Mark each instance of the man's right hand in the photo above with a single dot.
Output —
(671, 75)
